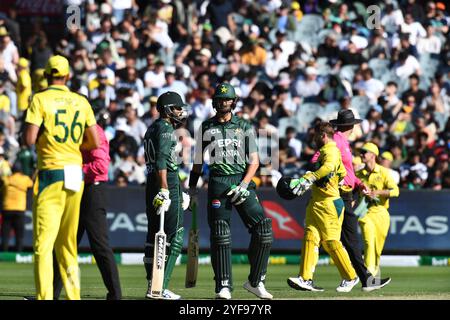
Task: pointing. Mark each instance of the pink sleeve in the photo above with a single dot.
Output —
(97, 163)
(315, 157)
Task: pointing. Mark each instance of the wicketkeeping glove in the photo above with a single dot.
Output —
(238, 193)
(300, 186)
(162, 199)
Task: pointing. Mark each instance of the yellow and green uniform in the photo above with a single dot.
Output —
(23, 89)
(62, 117)
(324, 215)
(375, 224)
(15, 192)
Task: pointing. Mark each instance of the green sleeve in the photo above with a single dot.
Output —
(250, 139)
(164, 149)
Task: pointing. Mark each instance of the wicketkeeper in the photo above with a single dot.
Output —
(324, 214)
(230, 143)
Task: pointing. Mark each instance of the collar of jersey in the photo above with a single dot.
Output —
(233, 119)
(58, 87)
(376, 169)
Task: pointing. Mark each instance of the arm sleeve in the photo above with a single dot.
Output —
(391, 185)
(35, 113)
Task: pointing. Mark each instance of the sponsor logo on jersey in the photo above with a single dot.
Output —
(216, 204)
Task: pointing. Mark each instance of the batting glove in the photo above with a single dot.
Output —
(238, 193)
(162, 200)
(193, 194)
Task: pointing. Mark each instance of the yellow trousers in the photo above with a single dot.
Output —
(56, 213)
(323, 225)
(374, 227)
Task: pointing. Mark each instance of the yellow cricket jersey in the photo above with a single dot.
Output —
(330, 172)
(4, 103)
(379, 179)
(62, 116)
(23, 89)
(15, 192)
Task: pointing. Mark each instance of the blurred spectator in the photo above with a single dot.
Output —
(386, 159)
(5, 168)
(406, 65)
(293, 142)
(413, 173)
(23, 86)
(414, 90)
(14, 190)
(308, 87)
(369, 86)
(137, 127)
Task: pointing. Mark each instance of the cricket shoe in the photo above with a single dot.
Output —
(347, 285)
(166, 295)
(259, 291)
(224, 294)
(376, 284)
(298, 283)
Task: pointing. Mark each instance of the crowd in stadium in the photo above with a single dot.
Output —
(291, 62)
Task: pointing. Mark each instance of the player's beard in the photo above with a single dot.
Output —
(223, 111)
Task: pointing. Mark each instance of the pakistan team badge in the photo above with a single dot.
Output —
(224, 89)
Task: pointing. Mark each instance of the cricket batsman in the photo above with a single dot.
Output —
(375, 223)
(230, 144)
(324, 214)
(163, 186)
(59, 122)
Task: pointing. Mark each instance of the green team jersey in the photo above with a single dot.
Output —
(159, 147)
(228, 144)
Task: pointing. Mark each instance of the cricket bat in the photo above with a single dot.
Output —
(192, 252)
(159, 258)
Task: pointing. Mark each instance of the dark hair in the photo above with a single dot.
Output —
(414, 76)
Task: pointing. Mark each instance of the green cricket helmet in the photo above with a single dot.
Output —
(170, 101)
(224, 91)
(283, 189)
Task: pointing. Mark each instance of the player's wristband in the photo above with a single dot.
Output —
(193, 179)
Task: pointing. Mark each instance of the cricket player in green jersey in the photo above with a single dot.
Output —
(163, 186)
(233, 161)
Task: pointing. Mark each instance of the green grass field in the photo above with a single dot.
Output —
(422, 283)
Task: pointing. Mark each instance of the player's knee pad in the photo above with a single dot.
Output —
(262, 232)
(259, 250)
(309, 236)
(221, 253)
(221, 233)
(332, 245)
